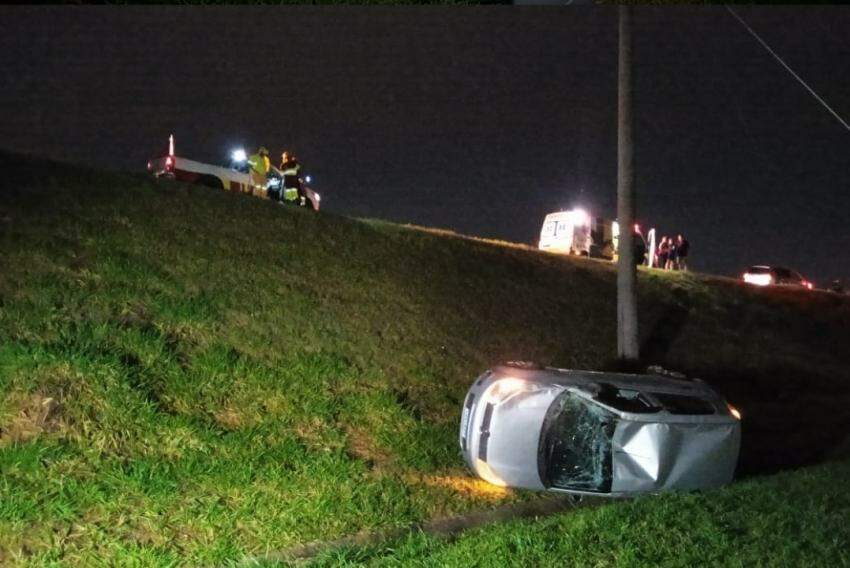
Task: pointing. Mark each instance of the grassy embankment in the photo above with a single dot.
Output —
(189, 376)
(789, 519)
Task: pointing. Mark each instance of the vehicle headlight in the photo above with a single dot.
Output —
(487, 474)
(734, 411)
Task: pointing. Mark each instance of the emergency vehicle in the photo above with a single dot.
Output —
(576, 232)
(235, 177)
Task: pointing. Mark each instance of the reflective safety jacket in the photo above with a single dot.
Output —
(260, 164)
(291, 182)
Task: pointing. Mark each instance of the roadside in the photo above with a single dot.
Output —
(178, 387)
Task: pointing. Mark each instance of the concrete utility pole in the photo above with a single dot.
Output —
(627, 325)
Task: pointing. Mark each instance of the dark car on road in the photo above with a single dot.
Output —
(776, 276)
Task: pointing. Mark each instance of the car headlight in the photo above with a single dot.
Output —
(734, 411)
(487, 474)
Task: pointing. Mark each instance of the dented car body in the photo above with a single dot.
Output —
(597, 433)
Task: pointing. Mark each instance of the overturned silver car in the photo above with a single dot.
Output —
(597, 433)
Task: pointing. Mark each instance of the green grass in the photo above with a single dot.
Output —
(791, 519)
(189, 376)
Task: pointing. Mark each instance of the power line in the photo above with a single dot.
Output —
(773, 53)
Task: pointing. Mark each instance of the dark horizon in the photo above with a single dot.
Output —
(476, 119)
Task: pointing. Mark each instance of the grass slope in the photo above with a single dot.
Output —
(189, 376)
(790, 519)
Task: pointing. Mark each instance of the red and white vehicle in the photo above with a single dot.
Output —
(233, 178)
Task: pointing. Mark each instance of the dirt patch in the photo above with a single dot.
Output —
(28, 416)
(144, 534)
(361, 445)
(230, 418)
(317, 436)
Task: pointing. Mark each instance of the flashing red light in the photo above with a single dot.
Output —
(637, 228)
(808, 285)
(169, 163)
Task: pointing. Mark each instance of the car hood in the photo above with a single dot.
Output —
(515, 437)
(651, 456)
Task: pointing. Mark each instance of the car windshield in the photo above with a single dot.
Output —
(575, 445)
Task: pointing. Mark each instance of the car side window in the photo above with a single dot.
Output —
(683, 404)
(625, 400)
(575, 445)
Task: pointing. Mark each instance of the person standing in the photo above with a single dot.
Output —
(682, 249)
(260, 166)
(663, 251)
(640, 247)
(671, 254)
(290, 168)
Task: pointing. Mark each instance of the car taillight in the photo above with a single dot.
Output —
(169, 163)
(808, 285)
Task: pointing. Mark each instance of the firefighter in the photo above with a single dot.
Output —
(260, 166)
(290, 168)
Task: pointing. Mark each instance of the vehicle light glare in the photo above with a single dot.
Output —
(308, 179)
(239, 155)
(758, 279)
(503, 389)
(580, 217)
(734, 411)
(509, 385)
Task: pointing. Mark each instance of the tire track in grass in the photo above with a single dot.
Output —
(442, 527)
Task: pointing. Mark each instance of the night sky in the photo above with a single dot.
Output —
(475, 119)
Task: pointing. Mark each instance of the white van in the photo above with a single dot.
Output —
(576, 232)
(566, 232)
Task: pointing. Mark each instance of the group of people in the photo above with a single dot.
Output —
(672, 254)
(287, 189)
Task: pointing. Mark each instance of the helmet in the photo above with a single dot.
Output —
(262, 151)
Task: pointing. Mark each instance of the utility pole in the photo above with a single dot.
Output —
(627, 325)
